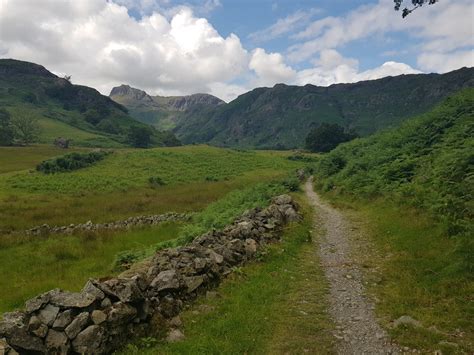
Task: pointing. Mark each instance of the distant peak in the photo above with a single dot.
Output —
(127, 90)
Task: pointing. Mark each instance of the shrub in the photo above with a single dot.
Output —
(70, 162)
(156, 181)
(326, 137)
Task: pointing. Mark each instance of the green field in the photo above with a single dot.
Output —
(218, 184)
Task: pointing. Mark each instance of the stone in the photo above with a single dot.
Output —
(217, 258)
(106, 302)
(63, 319)
(48, 314)
(90, 288)
(406, 320)
(165, 280)
(199, 264)
(250, 246)
(175, 322)
(121, 313)
(98, 317)
(65, 299)
(36, 327)
(282, 200)
(90, 341)
(174, 336)
(126, 290)
(193, 282)
(57, 342)
(36, 303)
(77, 325)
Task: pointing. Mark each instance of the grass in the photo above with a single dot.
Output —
(274, 306)
(36, 264)
(416, 270)
(118, 186)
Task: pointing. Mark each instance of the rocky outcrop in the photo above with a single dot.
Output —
(106, 313)
(136, 221)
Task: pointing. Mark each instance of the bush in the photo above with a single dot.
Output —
(326, 137)
(156, 181)
(70, 162)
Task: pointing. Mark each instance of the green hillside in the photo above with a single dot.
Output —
(280, 117)
(427, 162)
(65, 110)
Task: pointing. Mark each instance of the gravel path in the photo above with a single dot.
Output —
(357, 329)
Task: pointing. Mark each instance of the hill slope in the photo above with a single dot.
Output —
(280, 117)
(159, 111)
(427, 162)
(64, 109)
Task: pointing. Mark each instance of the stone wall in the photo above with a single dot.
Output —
(136, 221)
(108, 312)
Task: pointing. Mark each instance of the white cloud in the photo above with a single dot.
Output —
(270, 68)
(284, 25)
(444, 62)
(100, 44)
(441, 30)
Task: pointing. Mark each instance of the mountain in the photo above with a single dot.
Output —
(159, 111)
(280, 117)
(72, 111)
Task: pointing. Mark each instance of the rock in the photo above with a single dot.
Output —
(48, 314)
(165, 280)
(250, 246)
(121, 313)
(10, 322)
(90, 341)
(193, 282)
(106, 302)
(63, 320)
(176, 322)
(36, 327)
(175, 335)
(36, 303)
(406, 320)
(126, 290)
(98, 317)
(216, 258)
(66, 299)
(90, 288)
(210, 295)
(77, 325)
(57, 342)
(282, 200)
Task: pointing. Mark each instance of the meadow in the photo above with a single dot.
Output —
(215, 184)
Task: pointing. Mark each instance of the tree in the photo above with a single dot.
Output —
(416, 4)
(26, 128)
(6, 129)
(139, 137)
(326, 137)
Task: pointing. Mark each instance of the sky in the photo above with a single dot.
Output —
(228, 47)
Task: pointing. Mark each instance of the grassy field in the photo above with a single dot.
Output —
(118, 186)
(273, 306)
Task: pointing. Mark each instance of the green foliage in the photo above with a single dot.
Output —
(6, 130)
(326, 137)
(26, 128)
(70, 162)
(427, 163)
(140, 137)
(156, 181)
(126, 258)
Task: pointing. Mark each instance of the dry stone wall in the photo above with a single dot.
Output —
(108, 312)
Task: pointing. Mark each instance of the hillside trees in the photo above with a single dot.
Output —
(140, 137)
(326, 137)
(6, 129)
(26, 128)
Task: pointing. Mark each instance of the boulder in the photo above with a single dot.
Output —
(193, 282)
(65, 299)
(36, 327)
(48, 314)
(57, 342)
(98, 317)
(63, 319)
(126, 290)
(174, 336)
(250, 246)
(77, 325)
(121, 313)
(90, 288)
(165, 280)
(216, 258)
(36, 303)
(282, 200)
(90, 341)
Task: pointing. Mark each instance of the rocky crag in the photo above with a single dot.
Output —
(108, 312)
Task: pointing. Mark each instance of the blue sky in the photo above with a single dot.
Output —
(227, 47)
